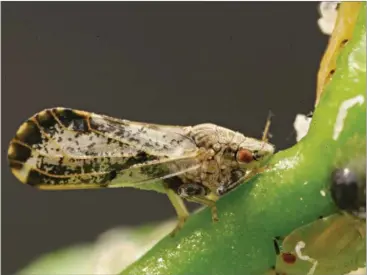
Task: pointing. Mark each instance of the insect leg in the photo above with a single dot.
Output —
(196, 193)
(207, 202)
(181, 210)
(254, 172)
(225, 188)
(171, 186)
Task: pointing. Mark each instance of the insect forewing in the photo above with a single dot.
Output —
(69, 149)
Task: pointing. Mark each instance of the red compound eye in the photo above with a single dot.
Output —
(289, 258)
(244, 155)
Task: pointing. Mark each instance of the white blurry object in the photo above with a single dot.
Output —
(359, 271)
(119, 247)
(113, 251)
(301, 125)
(329, 13)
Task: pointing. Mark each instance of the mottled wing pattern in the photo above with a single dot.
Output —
(62, 148)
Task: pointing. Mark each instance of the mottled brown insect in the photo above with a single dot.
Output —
(62, 148)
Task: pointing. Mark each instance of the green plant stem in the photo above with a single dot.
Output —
(292, 192)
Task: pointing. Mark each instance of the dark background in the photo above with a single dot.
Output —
(171, 63)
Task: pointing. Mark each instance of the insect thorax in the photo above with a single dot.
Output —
(218, 165)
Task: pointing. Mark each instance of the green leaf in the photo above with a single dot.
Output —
(294, 191)
(332, 245)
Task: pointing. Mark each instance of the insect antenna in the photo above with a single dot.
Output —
(267, 127)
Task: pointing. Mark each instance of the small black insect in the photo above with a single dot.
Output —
(348, 189)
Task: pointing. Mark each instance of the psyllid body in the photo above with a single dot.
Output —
(61, 148)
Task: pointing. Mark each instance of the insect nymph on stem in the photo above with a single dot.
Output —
(59, 148)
